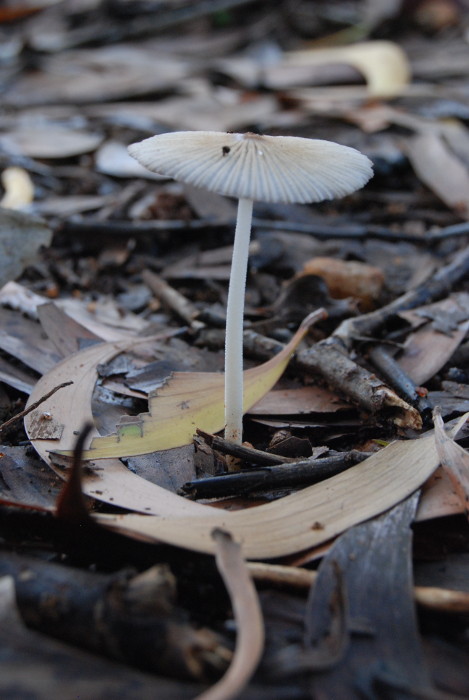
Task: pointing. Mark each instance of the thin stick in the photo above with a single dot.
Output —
(33, 406)
(291, 475)
(300, 579)
(172, 298)
(121, 228)
(258, 457)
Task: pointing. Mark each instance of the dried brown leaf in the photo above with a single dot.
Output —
(438, 497)
(307, 399)
(454, 459)
(427, 349)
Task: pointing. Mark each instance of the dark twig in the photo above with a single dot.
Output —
(33, 406)
(329, 359)
(323, 231)
(146, 23)
(398, 379)
(248, 454)
(308, 471)
(131, 618)
(173, 299)
(449, 232)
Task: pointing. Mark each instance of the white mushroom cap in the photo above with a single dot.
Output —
(252, 166)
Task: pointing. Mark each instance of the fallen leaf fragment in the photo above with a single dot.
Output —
(348, 278)
(427, 349)
(441, 170)
(248, 616)
(305, 399)
(190, 400)
(19, 188)
(438, 498)
(383, 64)
(99, 75)
(112, 158)
(369, 567)
(50, 141)
(454, 459)
(21, 235)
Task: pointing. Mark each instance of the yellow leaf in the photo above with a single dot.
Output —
(190, 400)
(383, 64)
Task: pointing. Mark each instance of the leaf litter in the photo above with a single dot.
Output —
(359, 383)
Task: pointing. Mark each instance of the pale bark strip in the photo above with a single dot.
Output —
(248, 616)
(296, 578)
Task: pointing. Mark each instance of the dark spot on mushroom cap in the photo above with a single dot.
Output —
(226, 150)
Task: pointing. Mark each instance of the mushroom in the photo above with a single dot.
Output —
(251, 167)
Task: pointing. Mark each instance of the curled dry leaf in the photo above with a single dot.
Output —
(290, 402)
(383, 64)
(248, 617)
(290, 524)
(348, 278)
(438, 498)
(441, 170)
(19, 188)
(454, 459)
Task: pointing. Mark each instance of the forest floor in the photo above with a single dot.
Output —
(141, 553)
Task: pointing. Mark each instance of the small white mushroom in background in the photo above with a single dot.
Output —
(251, 167)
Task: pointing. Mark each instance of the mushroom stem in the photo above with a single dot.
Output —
(234, 324)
